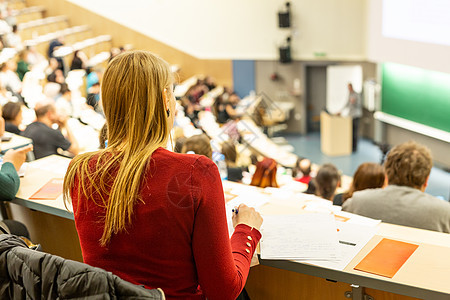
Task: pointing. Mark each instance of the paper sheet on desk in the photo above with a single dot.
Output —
(352, 238)
(305, 236)
(57, 166)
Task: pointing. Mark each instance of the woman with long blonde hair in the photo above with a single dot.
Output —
(151, 216)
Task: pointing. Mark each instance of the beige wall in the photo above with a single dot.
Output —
(220, 69)
(236, 29)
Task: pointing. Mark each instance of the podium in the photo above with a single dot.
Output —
(335, 135)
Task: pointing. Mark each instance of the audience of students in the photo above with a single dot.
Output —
(367, 176)
(135, 194)
(403, 201)
(265, 174)
(12, 114)
(47, 140)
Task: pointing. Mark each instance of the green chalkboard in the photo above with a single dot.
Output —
(417, 95)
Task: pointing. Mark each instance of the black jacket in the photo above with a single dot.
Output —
(29, 274)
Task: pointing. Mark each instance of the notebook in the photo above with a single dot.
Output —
(386, 258)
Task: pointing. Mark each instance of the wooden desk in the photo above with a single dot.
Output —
(48, 221)
(37, 174)
(16, 141)
(424, 275)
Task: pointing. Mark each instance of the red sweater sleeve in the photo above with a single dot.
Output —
(222, 266)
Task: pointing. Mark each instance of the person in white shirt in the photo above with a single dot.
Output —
(63, 104)
(13, 40)
(9, 78)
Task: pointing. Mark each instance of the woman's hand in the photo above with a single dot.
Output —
(248, 216)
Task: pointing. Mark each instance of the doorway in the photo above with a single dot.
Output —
(316, 96)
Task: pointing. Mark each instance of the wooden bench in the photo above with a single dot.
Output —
(29, 14)
(42, 26)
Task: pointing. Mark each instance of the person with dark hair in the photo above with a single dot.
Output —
(179, 142)
(234, 172)
(327, 181)
(78, 61)
(225, 110)
(367, 176)
(198, 144)
(47, 140)
(265, 174)
(302, 170)
(12, 113)
(54, 45)
(93, 96)
(404, 201)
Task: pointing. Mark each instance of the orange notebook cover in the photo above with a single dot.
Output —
(386, 258)
(50, 191)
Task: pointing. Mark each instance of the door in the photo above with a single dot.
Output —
(316, 95)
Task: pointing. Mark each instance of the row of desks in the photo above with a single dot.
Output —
(424, 275)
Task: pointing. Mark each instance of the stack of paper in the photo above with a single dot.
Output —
(352, 238)
(307, 237)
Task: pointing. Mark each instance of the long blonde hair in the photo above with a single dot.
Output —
(133, 103)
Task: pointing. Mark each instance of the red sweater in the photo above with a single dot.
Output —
(178, 239)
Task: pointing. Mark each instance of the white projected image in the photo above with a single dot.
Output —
(425, 21)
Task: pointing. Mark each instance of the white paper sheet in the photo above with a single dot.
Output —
(306, 236)
(58, 166)
(352, 238)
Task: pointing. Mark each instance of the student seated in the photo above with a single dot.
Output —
(198, 144)
(234, 172)
(164, 210)
(12, 113)
(265, 174)
(404, 201)
(326, 181)
(225, 110)
(302, 171)
(47, 140)
(367, 176)
(12, 161)
(63, 103)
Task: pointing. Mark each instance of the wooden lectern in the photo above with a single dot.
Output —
(335, 135)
